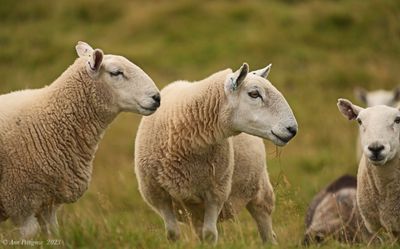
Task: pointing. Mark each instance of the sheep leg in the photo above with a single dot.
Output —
(2, 218)
(198, 227)
(170, 221)
(3, 215)
(28, 227)
(48, 220)
(162, 204)
(263, 219)
(211, 213)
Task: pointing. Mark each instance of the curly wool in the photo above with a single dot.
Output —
(187, 150)
(184, 129)
(377, 195)
(48, 138)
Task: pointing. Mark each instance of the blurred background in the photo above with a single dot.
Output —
(320, 50)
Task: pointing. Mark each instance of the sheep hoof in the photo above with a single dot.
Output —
(30, 228)
(172, 235)
(210, 236)
(274, 240)
(271, 239)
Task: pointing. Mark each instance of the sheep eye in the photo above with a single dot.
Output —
(397, 120)
(254, 94)
(116, 73)
(359, 121)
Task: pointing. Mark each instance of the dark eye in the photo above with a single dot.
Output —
(116, 73)
(397, 120)
(359, 121)
(254, 94)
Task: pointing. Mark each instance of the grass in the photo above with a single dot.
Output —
(320, 50)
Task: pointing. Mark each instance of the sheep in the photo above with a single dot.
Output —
(373, 98)
(378, 97)
(191, 154)
(333, 213)
(48, 136)
(378, 174)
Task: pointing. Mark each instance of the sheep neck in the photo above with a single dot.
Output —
(84, 108)
(205, 117)
(381, 176)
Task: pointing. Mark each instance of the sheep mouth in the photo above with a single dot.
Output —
(146, 110)
(152, 108)
(377, 160)
(284, 140)
(149, 108)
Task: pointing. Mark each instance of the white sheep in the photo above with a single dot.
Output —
(190, 154)
(378, 97)
(378, 178)
(333, 211)
(48, 136)
(373, 98)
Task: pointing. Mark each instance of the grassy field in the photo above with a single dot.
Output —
(320, 50)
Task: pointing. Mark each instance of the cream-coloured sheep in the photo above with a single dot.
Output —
(190, 154)
(333, 213)
(373, 98)
(378, 178)
(48, 136)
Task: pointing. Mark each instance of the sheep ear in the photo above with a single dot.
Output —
(361, 94)
(94, 63)
(263, 72)
(396, 94)
(348, 110)
(83, 49)
(238, 77)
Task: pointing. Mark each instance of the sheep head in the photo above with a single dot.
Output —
(378, 97)
(379, 130)
(257, 107)
(132, 89)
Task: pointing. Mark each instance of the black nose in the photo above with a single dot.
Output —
(157, 99)
(292, 130)
(376, 149)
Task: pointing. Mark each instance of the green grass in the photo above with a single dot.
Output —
(320, 50)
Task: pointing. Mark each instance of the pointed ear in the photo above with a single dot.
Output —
(263, 72)
(236, 78)
(94, 63)
(83, 49)
(348, 110)
(396, 94)
(361, 94)
(95, 60)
